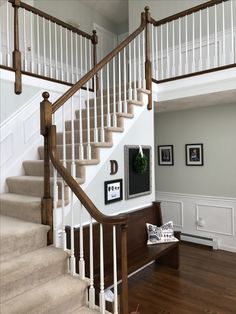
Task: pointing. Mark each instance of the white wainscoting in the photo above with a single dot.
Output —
(201, 215)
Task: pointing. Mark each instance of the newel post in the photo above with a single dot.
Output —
(95, 42)
(16, 54)
(46, 203)
(148, 64)
(124, 270)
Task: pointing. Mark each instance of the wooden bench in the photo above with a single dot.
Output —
(139, 254)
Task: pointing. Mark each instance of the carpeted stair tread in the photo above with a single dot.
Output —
(20, 237)
(20, 206)
(135, 102)
(61, 295)
(26, 271)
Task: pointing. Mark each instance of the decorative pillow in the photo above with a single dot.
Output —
(162, 234)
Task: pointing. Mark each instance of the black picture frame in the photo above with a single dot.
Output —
(137, 184)
(194, 154)
(113, 191)
(165, 155)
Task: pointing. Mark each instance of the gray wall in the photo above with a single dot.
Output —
(75, 12)
(213, 126)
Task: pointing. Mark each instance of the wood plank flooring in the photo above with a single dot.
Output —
(205, 283)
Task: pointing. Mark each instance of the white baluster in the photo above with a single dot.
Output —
(125, 87)
(87, 105)
(153, 64)
(73, 167)
(61, 51)
(101, 294)
(223, 29)
(208, 39)
(200, 40)
(91, 270)
(24, 41)
(139, 59)
(193, 45)
(50, 48)
(81, 147)
(55, 202)
(67, 57)
(72, 240)
(76, 58)
(173, 45)
(180, 49)
(38, 53)
(71, 56)
(216, 44)
(63, 229)
(31, 43)
(114, 90)
(162, 65)
(130, 72)
(81, 56)
(156, 55)
(186, 44)
(8, 55)
(63, 137)
(102, 111)
(143, 62)
(135, 70)
(81, 245)
(44, 49)
(108, 97)
(232, 31)
(55, 37)
(167, 51)
(95, 110)
(115, 272)
(119, 84)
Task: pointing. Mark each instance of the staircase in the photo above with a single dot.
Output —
(34, 277)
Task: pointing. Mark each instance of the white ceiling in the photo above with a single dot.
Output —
(114, 10)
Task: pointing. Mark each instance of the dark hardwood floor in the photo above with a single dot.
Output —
(204, 283)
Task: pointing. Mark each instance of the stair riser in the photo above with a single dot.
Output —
(32, 169)
(29, 212)
(105, 98)
(33, 188)
(108, 137)
(99, 111)
(30, 279)
(94, 152)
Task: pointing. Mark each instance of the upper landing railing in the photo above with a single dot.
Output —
(196, 41)
(35, 43)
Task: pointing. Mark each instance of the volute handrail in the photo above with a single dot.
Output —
(121, 219)
(65, 97)
(176, 16)
(51, 18)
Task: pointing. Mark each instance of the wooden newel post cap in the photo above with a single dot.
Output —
(146, 8)
(94, 32)
(45, 95)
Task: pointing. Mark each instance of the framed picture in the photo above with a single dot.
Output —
(137, 182)
(165, 155)
(113, 191)
(194, 154)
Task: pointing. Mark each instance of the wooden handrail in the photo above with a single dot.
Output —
(99, 66)
(176, 16)
(53, 19)
(121, 219)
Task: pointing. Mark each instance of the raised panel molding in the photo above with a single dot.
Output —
(6, 148)
(223, 222)
(31, 126)
(174, 212)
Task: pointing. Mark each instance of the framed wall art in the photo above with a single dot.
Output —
(165, 155)
(113, 191)
(138, 171)
(194, 154)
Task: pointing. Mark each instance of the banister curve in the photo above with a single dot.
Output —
(66, 96)
(121, 219)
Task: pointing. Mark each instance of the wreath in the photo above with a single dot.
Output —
(141, 162)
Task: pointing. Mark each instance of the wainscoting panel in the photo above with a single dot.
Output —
(201, 216)
(222, 222)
